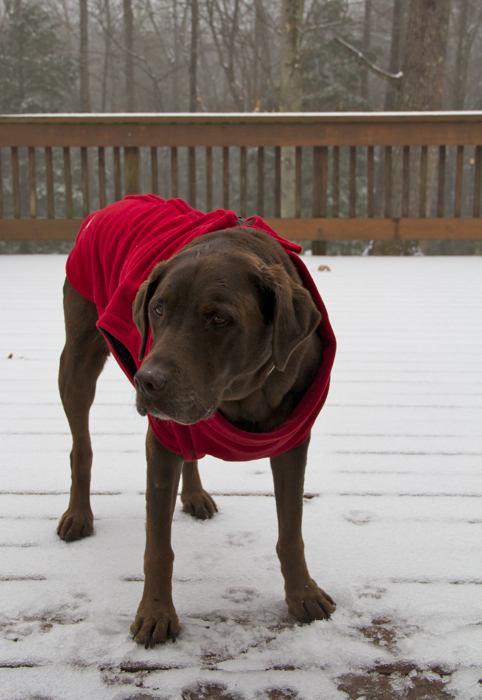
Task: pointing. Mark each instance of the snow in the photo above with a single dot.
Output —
(392, 521)
(243, 116)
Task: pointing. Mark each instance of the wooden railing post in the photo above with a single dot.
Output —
(49, 175)
(477, 180)
(102, 190)
(371, 182)
(320, 182)
(174, 173)
(32, 182)
(288, 181)
(226, 177)
(242, 182)
(16, 182)
(260, 208)
(192, 176)
(69, 209)
(423, 181)
(131, 169)
(117, 174)
(1, 186)
(336, 182)
(154, 171)
(209, 178)
(84, 161)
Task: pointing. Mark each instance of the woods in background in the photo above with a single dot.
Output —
(229, 55)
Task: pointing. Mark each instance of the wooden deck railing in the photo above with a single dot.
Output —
(355, 176)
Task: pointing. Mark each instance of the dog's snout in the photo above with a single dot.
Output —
(150, 382)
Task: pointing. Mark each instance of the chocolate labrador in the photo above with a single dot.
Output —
(228, 332)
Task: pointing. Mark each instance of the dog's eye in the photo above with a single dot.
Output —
(218, 321)
(159, 310)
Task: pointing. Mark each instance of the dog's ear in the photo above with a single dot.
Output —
(295, 316)
(140, 308)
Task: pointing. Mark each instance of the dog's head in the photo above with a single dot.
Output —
(222, 316)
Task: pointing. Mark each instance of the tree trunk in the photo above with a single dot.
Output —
(290, 93)
(105, 73)
(193, 57)
(258, 43)
(175, 39)
(423, 63)
(84, 57)
(366, 47)
(226, 43)
(129, 44)
(424, 67)
(459, 72)
(291, 32)
(421, 88)
(391, 91)
(19, 44)
(395, 54)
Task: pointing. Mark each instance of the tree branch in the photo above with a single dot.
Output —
(321, 26)
(229, 34)
(363, 59)
(142, 59)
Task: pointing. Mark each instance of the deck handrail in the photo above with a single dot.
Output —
(364, 176)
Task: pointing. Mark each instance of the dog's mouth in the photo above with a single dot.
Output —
(185, 415)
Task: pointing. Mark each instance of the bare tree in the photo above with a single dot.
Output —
(224, 26)
(290, 92)
(258, 42)
(366, 47)
(84, 57)
(469, 22)
(290, 62)
(423, 64)
(176, 54)
(107, 43)
(193, 102)
(421, 87)
(395, 54)
(129, 55)
(392, 86)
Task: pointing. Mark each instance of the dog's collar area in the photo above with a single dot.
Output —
(121, 353)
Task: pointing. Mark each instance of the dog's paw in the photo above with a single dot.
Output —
(199, 504)
(74, 525)
(310, 603)
(155, 624)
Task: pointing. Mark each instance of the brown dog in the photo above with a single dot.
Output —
(233, 333)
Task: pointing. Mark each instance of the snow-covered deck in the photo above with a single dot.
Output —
(392, 524)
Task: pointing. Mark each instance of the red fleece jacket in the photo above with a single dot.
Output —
(115, 251)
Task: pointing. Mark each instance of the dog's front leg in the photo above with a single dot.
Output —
(306, 602)
(156, 619)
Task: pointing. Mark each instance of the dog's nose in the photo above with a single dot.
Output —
(149, 382)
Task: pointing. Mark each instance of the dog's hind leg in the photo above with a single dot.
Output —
(195, 500)
(81, 363)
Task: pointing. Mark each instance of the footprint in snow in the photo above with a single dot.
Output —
(239, 539)
(359, 517)
(240, 594)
